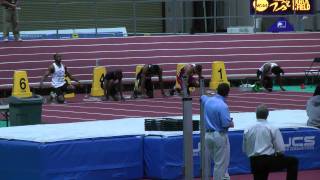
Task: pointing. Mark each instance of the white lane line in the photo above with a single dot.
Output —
(128, 116)
(178, 101)
(87, 106)
(248, 107)
(72, 118)
(265, 98)
(137, 105)
(177, 104)
(91, 113)
(270, 103)
(307, 95)
(162, 42)
(174, 114)
(173, 63)
(149, 58)
(78, 112)
(160, 49)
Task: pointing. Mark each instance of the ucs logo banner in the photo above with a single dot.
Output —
(300, 143)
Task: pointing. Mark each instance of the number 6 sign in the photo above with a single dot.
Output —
(21, 84)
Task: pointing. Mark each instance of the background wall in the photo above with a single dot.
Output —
(151, 16)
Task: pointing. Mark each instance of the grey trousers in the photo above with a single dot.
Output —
(219, 149)
(10, 19)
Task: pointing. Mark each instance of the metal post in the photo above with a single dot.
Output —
(204, 159)
(56, 18)
(205, 16)
(175, 23)
(187, 133)
(134, 17)
(96, 17)
(254, 18)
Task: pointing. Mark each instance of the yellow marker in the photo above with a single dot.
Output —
(69, 95)
(97, 81)
(138, 69)
(179, 67)
(21, 84)
(219, 75)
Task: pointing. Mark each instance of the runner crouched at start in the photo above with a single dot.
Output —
(266, 74)
(144, 85)
(112, 84)
(188, 71)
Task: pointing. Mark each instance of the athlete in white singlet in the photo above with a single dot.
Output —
(58, 72)
(266, 72)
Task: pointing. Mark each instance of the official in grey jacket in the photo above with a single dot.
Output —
(313, 108)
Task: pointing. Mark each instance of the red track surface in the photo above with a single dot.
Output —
(242, 54)
(77, 109)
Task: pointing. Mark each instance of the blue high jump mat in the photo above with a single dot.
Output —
(110, 150)
(163, 155)
(163, 151)
(73, 151)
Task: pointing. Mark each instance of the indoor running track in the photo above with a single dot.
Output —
(81, 108)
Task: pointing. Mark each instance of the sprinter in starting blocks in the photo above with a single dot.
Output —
(188, 71)
(143, 83)
(112, 85)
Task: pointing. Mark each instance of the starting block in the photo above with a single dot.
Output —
(219, 75)
(21, 86)
(97, 81)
